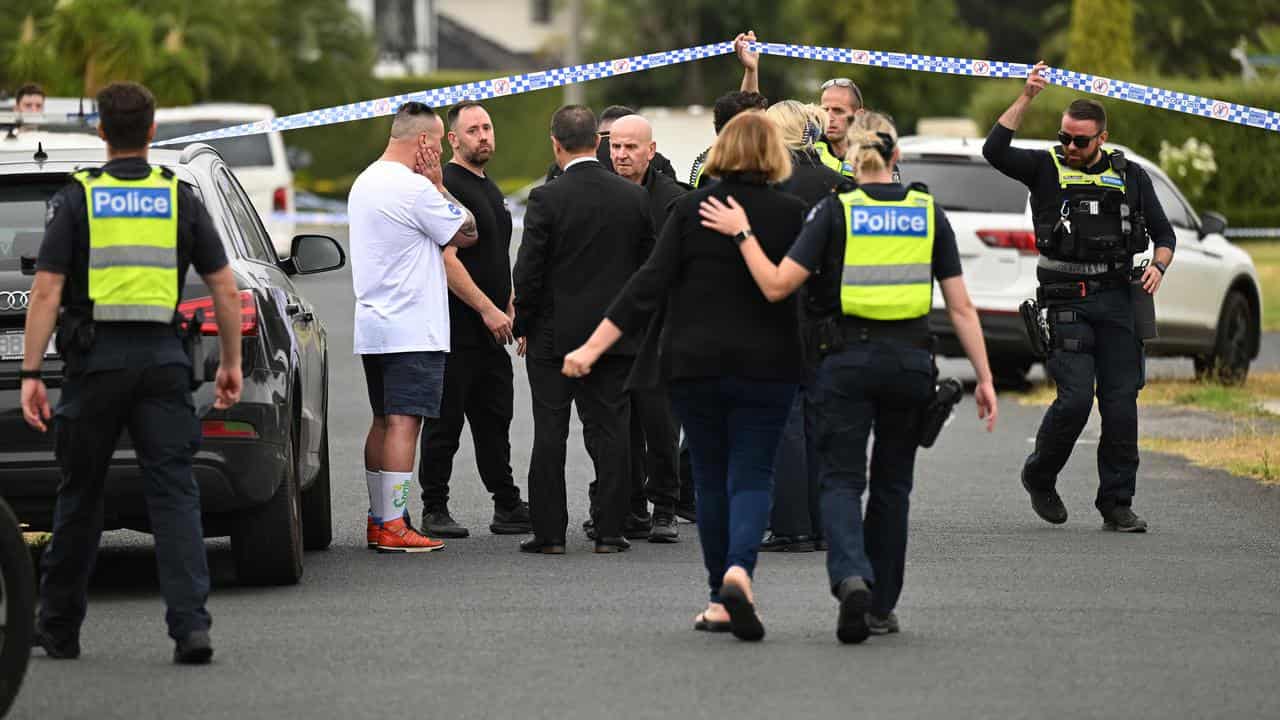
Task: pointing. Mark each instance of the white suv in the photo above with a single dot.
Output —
(1208, 308)
(259, 161)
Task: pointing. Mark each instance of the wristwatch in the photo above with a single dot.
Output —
(30, 375)
(1160, 266)
(742, 235)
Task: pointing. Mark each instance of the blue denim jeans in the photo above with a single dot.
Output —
(733, 426)
(869, 386)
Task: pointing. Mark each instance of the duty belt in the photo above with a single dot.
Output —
(1077, 289)
(862, 334)
(1074, 268)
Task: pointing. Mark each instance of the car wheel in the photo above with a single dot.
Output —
(267, 539)
(17, 601)
(1011, 373)
(1229, 362)
(317, 510)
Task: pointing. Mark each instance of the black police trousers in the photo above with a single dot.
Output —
(1095, 350)
(478, 389)
(154, 404)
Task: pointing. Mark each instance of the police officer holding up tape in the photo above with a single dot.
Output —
(117, 244)
(1093, 212)
(869, 257)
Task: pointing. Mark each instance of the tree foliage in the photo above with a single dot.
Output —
(1101, 37)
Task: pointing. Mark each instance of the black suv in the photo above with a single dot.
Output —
(263, 465)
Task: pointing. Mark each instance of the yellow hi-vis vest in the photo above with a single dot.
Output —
(1069, 176)
(133, 246)
(831, 161)
(888, 256)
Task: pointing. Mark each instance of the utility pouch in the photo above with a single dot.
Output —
(825, 337)
(193, 346)
(946, 396)
(1045, 238)
(1037, 328)
(74, 341)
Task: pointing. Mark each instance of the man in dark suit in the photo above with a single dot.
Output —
(584, 236)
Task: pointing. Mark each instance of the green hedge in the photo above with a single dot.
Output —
(1246, 187)
(521, 122)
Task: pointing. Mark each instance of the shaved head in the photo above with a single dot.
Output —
(631, 147)
(414, 119)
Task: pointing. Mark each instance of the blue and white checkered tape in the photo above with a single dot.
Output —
(529, 82)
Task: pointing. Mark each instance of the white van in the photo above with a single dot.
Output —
(258, 161)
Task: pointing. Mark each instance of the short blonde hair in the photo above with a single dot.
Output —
(866, 145)
(750, 143)
(792, 118)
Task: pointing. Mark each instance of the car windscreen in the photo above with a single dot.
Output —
(962, 184)
(239, 152)
(22, 213)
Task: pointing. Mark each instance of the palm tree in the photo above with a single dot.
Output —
(105, 40)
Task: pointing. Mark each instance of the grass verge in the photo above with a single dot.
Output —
(1266, 257)
(1252, 452)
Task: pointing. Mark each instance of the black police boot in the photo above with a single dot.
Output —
(787, 543)
(1047, 503)
(515, 521)
(194, 649)
(664, 527)
(1121, 518)
(439, 523)
(65, 649)
(637, 526)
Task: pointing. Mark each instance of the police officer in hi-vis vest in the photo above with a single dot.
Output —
(117, 245)
(1093, 212)
(869, 257)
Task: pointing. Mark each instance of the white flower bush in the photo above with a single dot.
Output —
(1191, 164)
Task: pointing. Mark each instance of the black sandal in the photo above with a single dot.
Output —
(743, 621)
(702, 624)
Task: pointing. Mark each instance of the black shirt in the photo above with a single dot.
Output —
(488, 261)
(810, 180)
(820, 249)
(65, 251)
(1035, 169)
(659, 162)
(717, 322)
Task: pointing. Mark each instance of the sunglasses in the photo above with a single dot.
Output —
(845, 83)
(1080, 141)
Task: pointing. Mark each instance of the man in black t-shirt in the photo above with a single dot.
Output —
(125, 367)
(478, 381)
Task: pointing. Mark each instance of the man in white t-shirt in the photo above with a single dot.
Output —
(401, 218)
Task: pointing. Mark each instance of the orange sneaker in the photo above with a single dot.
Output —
(397, 536)
(371, 533)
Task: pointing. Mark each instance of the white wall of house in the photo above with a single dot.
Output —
(523, 26)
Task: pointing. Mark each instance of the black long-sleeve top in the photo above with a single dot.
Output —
(717, 321)
(1035, 169)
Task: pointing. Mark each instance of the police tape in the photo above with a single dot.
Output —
(558, 77)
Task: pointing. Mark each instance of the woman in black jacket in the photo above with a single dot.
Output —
(731, 359)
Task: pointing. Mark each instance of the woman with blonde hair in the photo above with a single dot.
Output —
(869, 258)
(795, 525)
(730, 358)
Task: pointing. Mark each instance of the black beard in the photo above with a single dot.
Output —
(473, 158)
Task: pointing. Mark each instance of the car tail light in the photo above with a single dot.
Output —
(248, 313)
(1024, 241)
(227, 429)
(280, 200)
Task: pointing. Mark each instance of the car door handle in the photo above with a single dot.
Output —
(295, 309)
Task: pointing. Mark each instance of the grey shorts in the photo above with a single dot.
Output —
(408, 383)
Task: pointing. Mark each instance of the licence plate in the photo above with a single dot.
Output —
(12, 345)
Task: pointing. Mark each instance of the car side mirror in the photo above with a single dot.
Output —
(1212, 223)
(314, 254)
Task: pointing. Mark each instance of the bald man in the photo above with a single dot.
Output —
(654, 433)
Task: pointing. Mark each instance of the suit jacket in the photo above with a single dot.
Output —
(585, 235)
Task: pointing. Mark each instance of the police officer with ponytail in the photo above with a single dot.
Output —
(117, 245)
(1093, 212)
(868, 258)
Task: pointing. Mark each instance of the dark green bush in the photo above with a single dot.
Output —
(1246, 187)
(522, 124)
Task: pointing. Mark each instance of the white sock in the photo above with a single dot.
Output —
(394, 498)
(373, 478)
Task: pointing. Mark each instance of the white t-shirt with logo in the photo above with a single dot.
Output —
(399, 224)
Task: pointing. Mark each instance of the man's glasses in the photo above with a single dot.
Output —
(845, 83)
(1080, 141)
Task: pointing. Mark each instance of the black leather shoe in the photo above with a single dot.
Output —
(612, 545)
(687, 512)
(589, 527)
(536, 544)
(820, 544)
(193, 649)
(68, 649)
(664, 528)
(636, 527)
(787, 543)
(855, 601)
(1122, 519)
(1047, 503)
(515, 521)
(439, 523)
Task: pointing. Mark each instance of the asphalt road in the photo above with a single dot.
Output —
(1003, 616)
